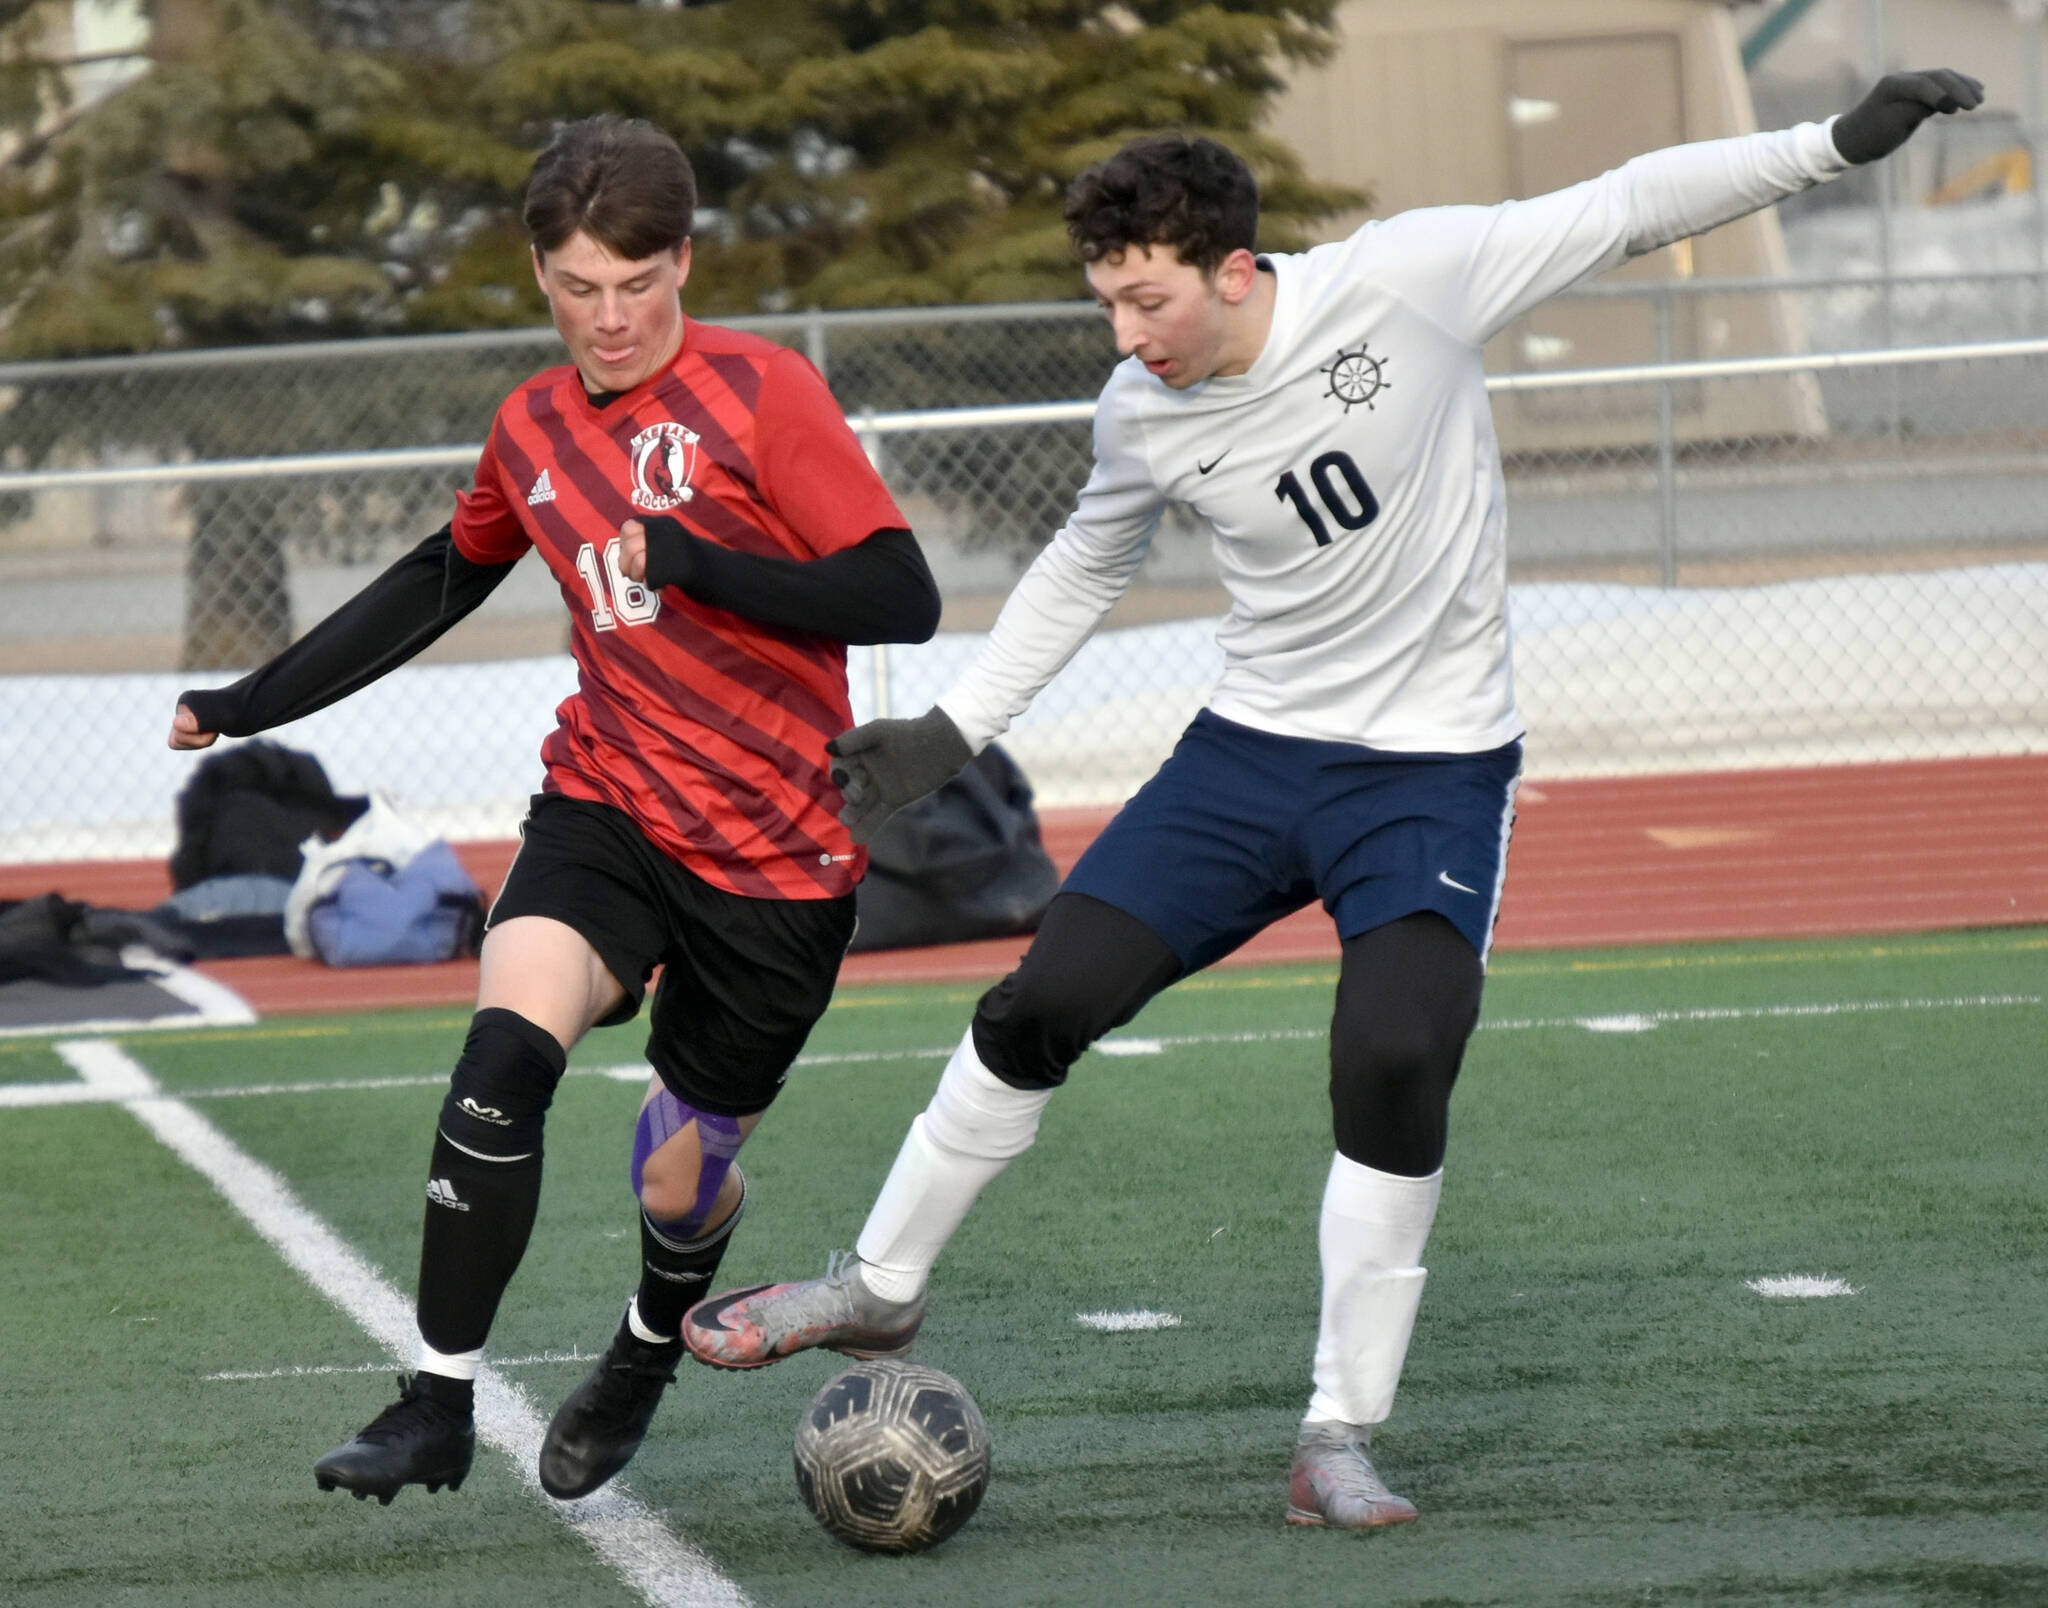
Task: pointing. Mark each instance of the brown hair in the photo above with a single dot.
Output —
(620, 180)
(1165, 190)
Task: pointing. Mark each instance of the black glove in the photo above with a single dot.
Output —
(671, 552)
(1885, 118)
(886, 764)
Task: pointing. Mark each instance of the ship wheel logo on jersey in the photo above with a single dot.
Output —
(664, 456)
(1356, 377)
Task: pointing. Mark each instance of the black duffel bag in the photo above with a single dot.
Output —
(963, 863)
(246, 810)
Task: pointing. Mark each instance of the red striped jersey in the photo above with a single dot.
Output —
(706, 728)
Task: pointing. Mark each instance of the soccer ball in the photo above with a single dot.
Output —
(892, 1456)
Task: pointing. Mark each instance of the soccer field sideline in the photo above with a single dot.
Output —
(661, 1566)
(654, 1561)
(91, 1091)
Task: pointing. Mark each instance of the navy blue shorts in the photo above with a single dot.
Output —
(1241, 827)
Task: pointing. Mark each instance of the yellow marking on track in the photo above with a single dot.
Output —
(1706, 837)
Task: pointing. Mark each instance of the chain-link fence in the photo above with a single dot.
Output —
(1794, 560)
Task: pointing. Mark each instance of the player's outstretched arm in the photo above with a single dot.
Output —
(1477, 269)
(886, 764)
(411, 605)
(878, 590)
(1885, 119)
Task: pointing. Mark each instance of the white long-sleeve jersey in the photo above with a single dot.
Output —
(1351, 475)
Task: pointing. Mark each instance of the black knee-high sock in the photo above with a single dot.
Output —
(676, 1273)
(479, 1217)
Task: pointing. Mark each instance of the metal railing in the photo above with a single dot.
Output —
(1862, 575)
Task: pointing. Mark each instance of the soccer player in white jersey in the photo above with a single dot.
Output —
(1326, 414)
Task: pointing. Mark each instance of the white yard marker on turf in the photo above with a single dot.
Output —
(1799, 1286)
(1618, 1024)
(1131, 1046)
(665, 1569)
(1126, 1322)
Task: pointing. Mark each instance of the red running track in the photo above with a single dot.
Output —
(1846, 850)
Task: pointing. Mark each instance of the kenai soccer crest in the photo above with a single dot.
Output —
(664, 455)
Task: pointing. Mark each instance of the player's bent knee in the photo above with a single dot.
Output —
(1412, 1055)
(674, 1192)
(1390, 1102)
(680, 1217)
(497, 1101)
(1091, 968)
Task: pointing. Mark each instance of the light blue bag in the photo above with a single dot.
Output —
(376, 914)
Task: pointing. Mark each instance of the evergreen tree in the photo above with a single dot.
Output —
(293, 168)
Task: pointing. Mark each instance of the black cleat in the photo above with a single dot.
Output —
(415, 1441)
(599, 1428)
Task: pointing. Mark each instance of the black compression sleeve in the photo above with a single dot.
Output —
(878, 591)
(398, 614)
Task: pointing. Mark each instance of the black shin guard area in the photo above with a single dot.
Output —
(483, 1187)
(479, 1217)
(1407, 1001)
(676, 1274)
(1092, 967)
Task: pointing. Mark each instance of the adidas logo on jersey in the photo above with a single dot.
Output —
(442, 1193)
(543, 491)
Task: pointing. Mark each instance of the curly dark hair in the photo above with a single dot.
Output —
(1165, 190)
(621, 180)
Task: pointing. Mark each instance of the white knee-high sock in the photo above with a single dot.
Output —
(975, 1125)
(1374, 1227)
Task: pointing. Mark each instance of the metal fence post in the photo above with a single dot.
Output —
(871, 444)
(1667, 450)
(816, 347)
(2029, 13)
(1881, 175)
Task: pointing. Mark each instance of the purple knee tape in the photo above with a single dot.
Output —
(718, 1141)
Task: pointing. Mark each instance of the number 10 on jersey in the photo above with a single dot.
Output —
(1339, 487)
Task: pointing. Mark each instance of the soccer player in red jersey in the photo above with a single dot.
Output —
(720, 537)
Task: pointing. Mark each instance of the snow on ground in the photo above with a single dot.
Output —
(1612, 680)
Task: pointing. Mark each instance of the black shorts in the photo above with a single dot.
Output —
(743, 980)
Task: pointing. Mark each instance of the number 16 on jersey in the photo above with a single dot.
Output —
(630, 602)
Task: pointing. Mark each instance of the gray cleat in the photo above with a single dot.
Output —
(1334, 1483)
(752, 1328)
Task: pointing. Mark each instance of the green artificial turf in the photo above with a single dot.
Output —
(1597, 1409)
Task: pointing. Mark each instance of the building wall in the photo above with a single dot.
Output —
(1436, 102)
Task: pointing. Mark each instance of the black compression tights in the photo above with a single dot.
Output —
(1407, 1000)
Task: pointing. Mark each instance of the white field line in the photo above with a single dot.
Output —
(1754, 1013)
(665, 1569)
(213, 1004)
(310, 1370)
(41, 1094)
(18, 1096)
(216, 1003)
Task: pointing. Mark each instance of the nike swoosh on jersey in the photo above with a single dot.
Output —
(1445, 878)
(1203, 468)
